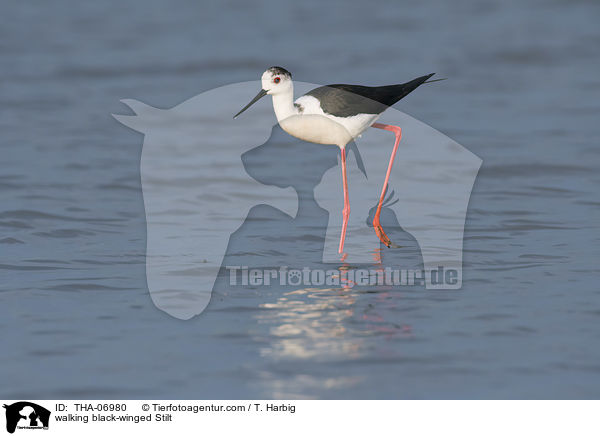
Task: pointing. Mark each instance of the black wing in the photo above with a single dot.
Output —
(348, 100)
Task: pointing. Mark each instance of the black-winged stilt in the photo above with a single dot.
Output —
(336, 114)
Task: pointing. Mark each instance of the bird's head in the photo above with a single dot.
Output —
(274, 81)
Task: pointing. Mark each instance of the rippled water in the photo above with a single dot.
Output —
(76, 317)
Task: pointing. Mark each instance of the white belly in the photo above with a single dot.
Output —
(313, 125)
(316, 128)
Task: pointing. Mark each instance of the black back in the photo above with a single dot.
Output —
(349, 100)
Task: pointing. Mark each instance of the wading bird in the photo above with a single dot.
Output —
(335, 115)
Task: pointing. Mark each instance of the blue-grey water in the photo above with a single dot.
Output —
(523, 94)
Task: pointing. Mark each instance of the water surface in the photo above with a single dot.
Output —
(76, 316)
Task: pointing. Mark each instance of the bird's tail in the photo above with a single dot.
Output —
(404, 89)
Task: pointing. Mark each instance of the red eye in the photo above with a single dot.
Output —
(276, 80)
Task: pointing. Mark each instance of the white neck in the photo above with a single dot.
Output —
(283, 104)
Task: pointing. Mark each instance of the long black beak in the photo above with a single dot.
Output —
(260, 95)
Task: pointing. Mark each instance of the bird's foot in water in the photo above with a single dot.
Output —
(381, 234)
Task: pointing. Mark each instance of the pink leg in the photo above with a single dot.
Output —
(346, 212)
(376, 224)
